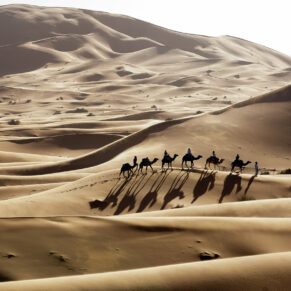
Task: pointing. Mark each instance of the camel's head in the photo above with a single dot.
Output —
(221, 161)
(249, 162)
(155, 160)
(199, 157)
(175, 156)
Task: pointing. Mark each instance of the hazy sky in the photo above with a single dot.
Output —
(267, 22)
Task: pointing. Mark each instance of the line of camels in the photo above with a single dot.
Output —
(145, 163)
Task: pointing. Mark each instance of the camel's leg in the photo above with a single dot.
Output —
(162, 166)
(192, 164)
(152, 168)
(146, 169)
(131, 172)
(182, 165)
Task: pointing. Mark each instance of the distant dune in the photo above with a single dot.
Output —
(83, 92)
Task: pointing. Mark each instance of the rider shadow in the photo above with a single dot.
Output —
(229, 184)
(250, 183)
(151, 197)
(129, 198)
(112, 196)
(175, 189)
(205, 183)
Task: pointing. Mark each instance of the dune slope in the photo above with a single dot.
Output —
(83, 92)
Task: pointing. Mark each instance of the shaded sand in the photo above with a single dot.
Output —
(105, 194)
(240, 128)
(49, 247)
(81, 93)
(249, 273)
(69, 68)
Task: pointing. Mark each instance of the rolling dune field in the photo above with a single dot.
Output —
(83, 92)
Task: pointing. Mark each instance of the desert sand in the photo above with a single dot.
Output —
(83, 92)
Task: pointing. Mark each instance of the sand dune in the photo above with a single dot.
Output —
(116, 244)
(83, 92)
(77, 143)
(105, 194)
(234, 127)
(262, 208)
(250, 273)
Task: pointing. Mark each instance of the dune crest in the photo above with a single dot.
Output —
(84, 92)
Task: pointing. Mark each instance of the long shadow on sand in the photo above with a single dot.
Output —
(150, 198)
(250, 183)
(129, 198)
(176, 188)
(230, 182)
(205, 183)
(112, 196)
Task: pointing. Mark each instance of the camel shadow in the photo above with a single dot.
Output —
(230, 182)
(205, 183)
(175, 189)
(112, 196)
(151, 197)
(129, 198)
(250, 183)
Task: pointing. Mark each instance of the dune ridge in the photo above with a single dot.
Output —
(246, 273)
(107, 152)
(83, 92)
(194, 236)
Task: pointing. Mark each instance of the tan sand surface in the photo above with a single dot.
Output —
(83, 92)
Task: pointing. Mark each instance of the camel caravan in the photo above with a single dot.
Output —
(188, 157)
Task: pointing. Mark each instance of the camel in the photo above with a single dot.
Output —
(145, 162)
(168, 160)
(240, 164)
(127, 168)
(189, 158)
(213, 160)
